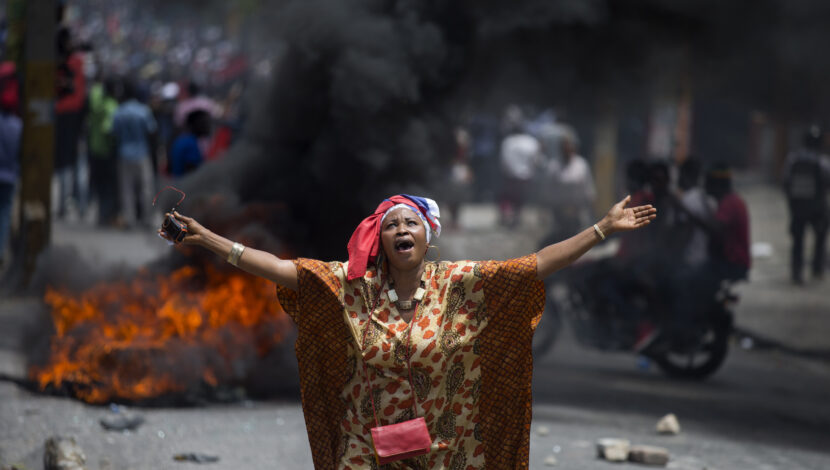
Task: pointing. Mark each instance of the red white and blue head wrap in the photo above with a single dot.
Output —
(364, 245)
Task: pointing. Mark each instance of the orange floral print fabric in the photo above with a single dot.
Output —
(470, 362)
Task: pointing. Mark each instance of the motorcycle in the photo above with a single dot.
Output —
(606, 304)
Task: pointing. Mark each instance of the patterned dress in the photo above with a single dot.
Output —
(470, 352)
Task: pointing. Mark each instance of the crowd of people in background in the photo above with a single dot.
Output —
(138, 102)
(700, 239)
(523, 158)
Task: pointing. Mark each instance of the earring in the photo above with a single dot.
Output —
(437, 248)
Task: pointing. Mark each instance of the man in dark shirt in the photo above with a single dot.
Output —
(806, 183)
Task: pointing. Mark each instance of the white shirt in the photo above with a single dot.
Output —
(520, 155)
(572, 183)
(703, 206)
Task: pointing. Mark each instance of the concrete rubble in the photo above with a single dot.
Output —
(649, 455)
(621, 450)
(613, 449)
(668, 425)
(63, 453)
(122, 421)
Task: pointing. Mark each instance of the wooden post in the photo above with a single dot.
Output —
(37, 145)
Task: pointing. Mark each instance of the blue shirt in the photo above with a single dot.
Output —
(185, 155)
(10, 128)
(132, 123)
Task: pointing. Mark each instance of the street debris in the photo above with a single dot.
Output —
(550, 461)
(613, 449)
(63, 453)
(621, 450)
(122, 422)
(195, 458)
(543, 431)
(668, 425)
(649, 455)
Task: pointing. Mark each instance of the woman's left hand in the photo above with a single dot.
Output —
(623, 219)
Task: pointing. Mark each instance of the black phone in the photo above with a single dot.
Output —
(173, 228)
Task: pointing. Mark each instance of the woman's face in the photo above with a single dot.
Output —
(404, 239)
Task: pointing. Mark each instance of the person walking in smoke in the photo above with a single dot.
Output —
(70, 107)
(521, 156)
(103, 166)
(389, 337)
(806, 183)
(133, 126)
(185, 153)
(572, 185)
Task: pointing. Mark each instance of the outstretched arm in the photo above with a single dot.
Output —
(619, 219)
(256, 262)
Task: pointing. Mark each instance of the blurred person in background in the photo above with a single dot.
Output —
(461, 176)
(572, 184)
(133, 127)
(10, 130)
(69, 114)
(729, 231)
(230, 124)
(692, 198)
(806, 183)
(195, 100)
(163, 106)
(185, 154)
(666, 244)
(103, 166)
(729, 257)
(633, 244)
(521, 157)
(484, 153)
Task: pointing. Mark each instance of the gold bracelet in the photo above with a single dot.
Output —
(235, 253)
(599, 232)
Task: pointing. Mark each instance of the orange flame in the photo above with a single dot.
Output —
(157, 335)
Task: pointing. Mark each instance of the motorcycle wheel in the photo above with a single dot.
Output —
(547, 330)
(699, 362)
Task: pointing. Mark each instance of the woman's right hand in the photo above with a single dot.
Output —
(196, 233)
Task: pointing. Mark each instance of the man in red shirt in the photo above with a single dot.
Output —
(729, 232)
(729, 259)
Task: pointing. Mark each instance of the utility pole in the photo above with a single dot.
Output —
(38, 71)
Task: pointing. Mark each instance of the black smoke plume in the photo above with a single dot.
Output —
(356, 112)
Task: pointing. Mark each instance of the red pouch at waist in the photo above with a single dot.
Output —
(401, 441)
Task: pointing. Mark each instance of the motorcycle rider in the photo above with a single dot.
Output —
(729, 258)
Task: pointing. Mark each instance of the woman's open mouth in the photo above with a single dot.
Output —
(402, 246)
